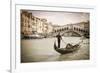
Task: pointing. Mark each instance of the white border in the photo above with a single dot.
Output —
(17, 66)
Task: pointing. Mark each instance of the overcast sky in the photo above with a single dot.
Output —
(62, 18)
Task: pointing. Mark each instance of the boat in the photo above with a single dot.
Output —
(68, 49)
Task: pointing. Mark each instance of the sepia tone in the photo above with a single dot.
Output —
(40, 41)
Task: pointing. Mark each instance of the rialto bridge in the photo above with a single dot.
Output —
(71, 30)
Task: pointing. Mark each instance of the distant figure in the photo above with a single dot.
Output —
(59, 39)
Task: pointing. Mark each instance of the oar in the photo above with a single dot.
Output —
(63, 41)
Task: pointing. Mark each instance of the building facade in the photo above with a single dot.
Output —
(26, 24)
(34, 25)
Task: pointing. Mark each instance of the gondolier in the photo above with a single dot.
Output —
(68, 48)
(59, 39)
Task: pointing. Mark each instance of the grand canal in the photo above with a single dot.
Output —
(42, 50)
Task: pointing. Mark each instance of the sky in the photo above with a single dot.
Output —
(62, 18)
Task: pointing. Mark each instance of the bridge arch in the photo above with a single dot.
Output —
(71, 33)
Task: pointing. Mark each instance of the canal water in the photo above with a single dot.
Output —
(42, 50)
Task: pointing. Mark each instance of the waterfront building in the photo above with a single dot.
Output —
(31, 24)
(26, 23)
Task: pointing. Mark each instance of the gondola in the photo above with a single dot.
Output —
(67, 49)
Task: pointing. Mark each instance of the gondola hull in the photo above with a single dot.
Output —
(66, 50)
